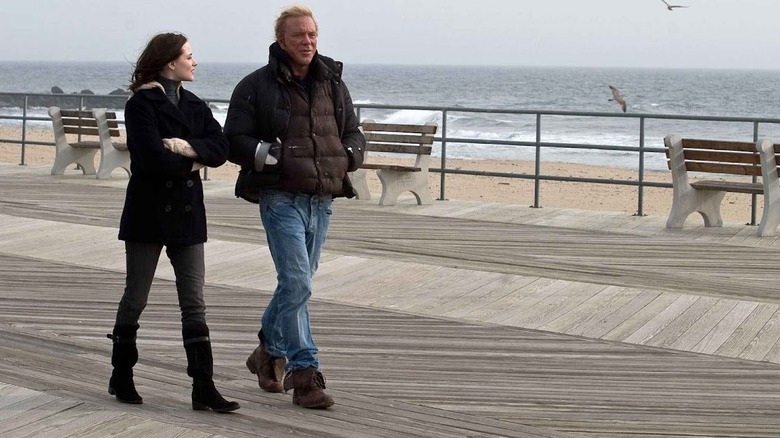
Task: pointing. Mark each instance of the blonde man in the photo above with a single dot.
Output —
(293, 129)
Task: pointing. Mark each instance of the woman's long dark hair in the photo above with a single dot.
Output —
(161, 49)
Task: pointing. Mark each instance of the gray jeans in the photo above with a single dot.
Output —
(189, 267)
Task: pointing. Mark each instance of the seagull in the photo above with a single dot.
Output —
(671, 7)
(618, 98)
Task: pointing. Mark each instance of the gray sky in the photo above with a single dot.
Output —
(613, 33)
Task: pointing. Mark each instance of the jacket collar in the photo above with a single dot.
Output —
(154, 91)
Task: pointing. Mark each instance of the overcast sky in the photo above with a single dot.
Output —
(608, 33)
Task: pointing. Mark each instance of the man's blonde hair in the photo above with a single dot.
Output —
(292, 11)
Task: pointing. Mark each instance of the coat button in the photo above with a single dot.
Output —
(187, 208)
(168, 208)
(169, 184)
(190, 183)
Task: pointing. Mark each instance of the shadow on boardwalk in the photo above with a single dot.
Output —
(456, 319)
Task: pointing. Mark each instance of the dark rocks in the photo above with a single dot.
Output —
(84, 99)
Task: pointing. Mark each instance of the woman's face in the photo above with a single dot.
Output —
(183, 67)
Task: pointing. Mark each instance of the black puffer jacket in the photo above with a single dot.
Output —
(270, 104)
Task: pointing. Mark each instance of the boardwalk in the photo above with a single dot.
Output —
(455, 319)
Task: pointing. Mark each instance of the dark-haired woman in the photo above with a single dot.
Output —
(171, 134)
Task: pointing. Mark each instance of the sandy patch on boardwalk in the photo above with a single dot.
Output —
(586, 196)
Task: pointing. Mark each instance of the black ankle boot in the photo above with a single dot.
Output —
(200, 366)
(124, 357)
(205, 396)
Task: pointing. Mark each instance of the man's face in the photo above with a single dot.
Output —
(299, 40)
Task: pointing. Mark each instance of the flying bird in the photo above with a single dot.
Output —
(618, 98)
(672, 7)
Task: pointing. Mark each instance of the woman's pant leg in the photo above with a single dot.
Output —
(141, 264)
(188, 263)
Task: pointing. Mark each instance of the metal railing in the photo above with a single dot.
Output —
(444, 139)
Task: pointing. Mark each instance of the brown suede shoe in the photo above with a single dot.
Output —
(307, 385)
(269, 369)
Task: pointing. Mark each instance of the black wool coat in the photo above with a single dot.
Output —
(164, 200)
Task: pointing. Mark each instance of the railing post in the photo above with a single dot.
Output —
(753, 196)
(24, 130)
(641, 188)
(537, 161)
(443, 166)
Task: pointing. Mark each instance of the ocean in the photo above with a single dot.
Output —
(735, 93)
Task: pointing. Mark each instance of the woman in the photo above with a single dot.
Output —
(171, 134)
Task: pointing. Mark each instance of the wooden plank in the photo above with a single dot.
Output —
(732, 169)
(391, 167)
(382, 138)
(88, 122)
(642, 321)
(78, 113)
(747, 331)
(395, 127)
(687, 319)
(692, 143)
(722, 157)
(725, 328)
(81, 131)
(555, 305)
(730, 186)
(398, 148)
(760, 346)
(609, 318)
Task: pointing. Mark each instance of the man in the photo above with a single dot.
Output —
(293, 130)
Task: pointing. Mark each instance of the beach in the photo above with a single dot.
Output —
(557, 194)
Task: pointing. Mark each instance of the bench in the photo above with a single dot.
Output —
(724, 158)
(402, 141)
(99, 124)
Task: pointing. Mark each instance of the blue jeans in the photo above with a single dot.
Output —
(295, 226)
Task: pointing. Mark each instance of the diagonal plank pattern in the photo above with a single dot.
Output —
(455, 318)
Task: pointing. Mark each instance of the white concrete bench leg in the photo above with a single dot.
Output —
(359, 183)
(686, 199)
(396, 182)
(67, 154)
(110, 156)
(110, 159)
(705, 202)
(771, 216)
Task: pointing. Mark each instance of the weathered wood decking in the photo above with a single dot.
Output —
(454, 319)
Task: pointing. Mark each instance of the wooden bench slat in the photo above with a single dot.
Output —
(730, 169)
(391, 127)
(391, 167)
(77, 113)
(86, 144)
(730, 186)
(79, 122)
(397, 138)
(692, 143)
(720, 156)
(398, 148)
(82, 131)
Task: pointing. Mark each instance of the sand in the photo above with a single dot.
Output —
(559, 194)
